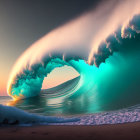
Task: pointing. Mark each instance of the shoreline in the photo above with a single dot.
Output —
(126, 131)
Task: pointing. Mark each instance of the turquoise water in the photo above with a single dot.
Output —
(111, 86)
(110, 82)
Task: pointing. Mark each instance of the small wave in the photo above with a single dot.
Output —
(15, 116)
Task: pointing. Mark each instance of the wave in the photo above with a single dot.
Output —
(28, 81)
(112, 86)
(107, 59)
(15, 116)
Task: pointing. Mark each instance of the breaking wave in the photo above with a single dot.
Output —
(105, 52)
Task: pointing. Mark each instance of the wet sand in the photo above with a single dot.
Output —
(128, 131)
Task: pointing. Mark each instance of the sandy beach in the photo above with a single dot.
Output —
(128, 131)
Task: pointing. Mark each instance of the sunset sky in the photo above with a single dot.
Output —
(24, 22)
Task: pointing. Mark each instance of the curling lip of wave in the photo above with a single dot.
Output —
(32, 77)
(29, 72)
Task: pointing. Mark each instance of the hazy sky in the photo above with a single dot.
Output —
(22, 22)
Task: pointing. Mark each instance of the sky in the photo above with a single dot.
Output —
(22, 22)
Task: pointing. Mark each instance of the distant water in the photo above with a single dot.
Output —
(4, 100)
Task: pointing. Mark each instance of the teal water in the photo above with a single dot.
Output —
(111, 86)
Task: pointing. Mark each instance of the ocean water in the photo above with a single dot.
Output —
(14, 116)
(113, 99)
(106, 92)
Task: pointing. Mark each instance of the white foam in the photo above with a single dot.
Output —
(10, 115)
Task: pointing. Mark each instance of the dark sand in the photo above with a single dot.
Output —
(129, 131)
